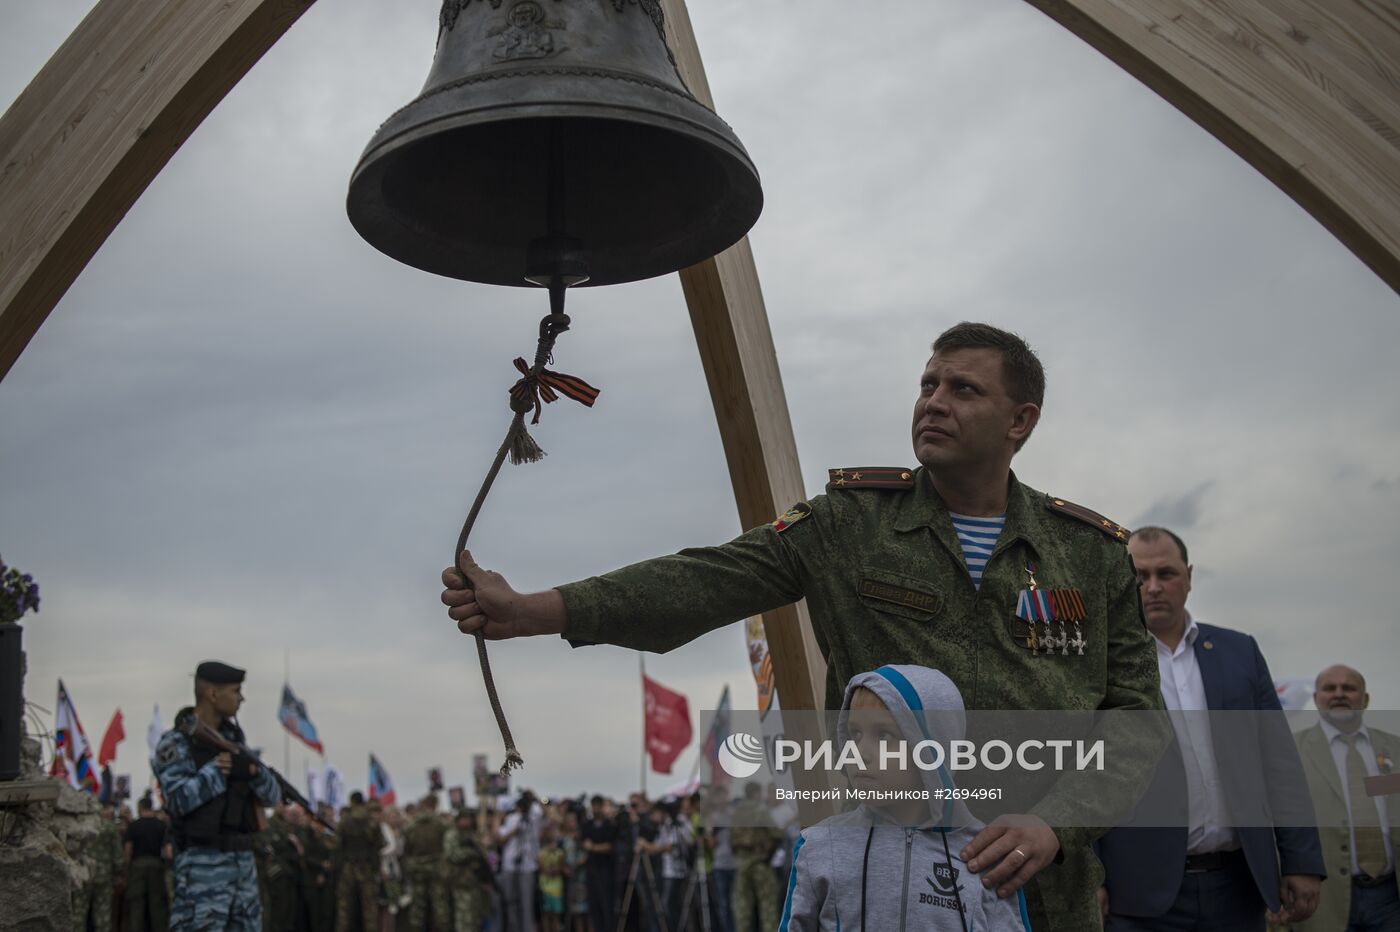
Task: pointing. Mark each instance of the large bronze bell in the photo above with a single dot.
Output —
(554, 141)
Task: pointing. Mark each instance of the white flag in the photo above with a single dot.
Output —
(313, 787)
(72, 759)
(1294, 692)
(333, 792)
(154, 731)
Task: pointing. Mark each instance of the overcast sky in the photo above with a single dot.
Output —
(246, 434)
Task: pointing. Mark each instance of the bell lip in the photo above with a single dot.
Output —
(740, 168)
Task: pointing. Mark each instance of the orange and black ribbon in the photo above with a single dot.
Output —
(541, 387)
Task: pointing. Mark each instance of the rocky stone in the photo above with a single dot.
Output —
(35, 883)
(40, 867)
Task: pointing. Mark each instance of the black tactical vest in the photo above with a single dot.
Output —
(227, 822)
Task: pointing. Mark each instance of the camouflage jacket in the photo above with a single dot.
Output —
(467, 866)
(102, 853)
(753, 835)
(886, 582)
(284, 853)
(423, 839)
(317, 848)
(358, 839)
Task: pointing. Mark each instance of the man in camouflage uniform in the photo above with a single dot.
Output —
(423, 867)
(888, 580)
(752, 839)
(468, 874)
(317, 887)
(262, 854)
(214, 799)
(357, 844)
(284, 870)
(101, 854)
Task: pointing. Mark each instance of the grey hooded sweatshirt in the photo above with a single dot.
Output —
(862, 872)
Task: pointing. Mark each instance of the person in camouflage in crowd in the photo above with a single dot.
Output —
(214, 799)
(922, 566)
(468, 874)
(284, 870)
(423, 867)
(317, 875)
(752, 839)
(101, 854)
(262, 852)
(357, 844)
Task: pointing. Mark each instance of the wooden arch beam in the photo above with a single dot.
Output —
(99, 122)
(1306, 91)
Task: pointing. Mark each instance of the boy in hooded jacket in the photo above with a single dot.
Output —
(892, 866)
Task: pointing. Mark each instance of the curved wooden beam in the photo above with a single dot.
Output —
(1306, 91)
(97, 124)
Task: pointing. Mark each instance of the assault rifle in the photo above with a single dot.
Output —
(197, 730)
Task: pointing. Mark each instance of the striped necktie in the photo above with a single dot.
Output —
(1365, 817)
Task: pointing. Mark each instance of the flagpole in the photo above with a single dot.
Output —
(286, 735)
(700, 750)
(642, 664)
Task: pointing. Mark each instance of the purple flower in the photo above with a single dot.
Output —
(19, 593)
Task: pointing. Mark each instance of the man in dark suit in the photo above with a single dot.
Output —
(1359, 831)
(1210, 861)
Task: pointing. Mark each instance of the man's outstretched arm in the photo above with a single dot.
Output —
(655, 605)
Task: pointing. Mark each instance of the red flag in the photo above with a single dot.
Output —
(114, 736)
(667, 724)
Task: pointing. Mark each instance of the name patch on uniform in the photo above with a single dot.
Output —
(793, 515)
(898, 595)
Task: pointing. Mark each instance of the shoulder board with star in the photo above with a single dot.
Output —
(1110, 529)
(870, 477)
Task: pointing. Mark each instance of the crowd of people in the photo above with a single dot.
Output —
(720, 864)
(557, 865)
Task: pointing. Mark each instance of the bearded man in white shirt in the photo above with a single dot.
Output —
(1359, 831)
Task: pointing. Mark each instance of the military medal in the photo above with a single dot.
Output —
(1033, 606)
(1077, 642)
(1069, 606)
(1050, 607)
(1060, 640)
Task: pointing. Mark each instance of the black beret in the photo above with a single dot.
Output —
(212, 671)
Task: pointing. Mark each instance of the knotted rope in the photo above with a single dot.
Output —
(536, 387)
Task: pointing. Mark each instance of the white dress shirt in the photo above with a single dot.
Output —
(1183, 690)
(522, 841)
(1368, 755)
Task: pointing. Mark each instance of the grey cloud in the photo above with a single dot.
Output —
(1179, 513)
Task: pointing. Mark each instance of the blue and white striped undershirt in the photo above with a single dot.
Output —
(977, 536)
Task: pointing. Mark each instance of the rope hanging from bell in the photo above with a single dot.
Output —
(536, 387)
